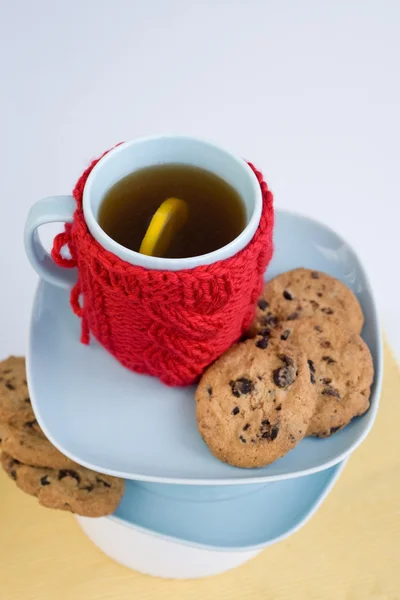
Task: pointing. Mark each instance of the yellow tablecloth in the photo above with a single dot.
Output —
(350, 550)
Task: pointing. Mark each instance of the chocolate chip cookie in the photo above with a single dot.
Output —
(15, 404)
(77, 490)
(340, 369)
(30, 446)
(305, 293)
(255, 403)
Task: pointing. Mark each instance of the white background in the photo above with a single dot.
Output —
(308, 90)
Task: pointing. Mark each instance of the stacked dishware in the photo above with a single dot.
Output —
(184, 513)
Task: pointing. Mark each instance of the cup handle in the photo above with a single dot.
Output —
(55, 209)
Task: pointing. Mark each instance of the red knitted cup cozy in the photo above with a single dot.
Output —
(170, 324)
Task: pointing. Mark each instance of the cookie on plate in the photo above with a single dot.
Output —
(77, 490)
(31, 447)
(341, 370)
(15, 403)
(255, 403)
(305, 293)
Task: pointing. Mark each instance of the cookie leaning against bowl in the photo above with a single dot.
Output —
(305, 293)
(78, 490)
(254, 404)
(15, 403)
(341, 370)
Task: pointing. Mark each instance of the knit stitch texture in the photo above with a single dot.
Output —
(169, 324)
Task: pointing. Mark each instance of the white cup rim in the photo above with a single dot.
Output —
(171, 264)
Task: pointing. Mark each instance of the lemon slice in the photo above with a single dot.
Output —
(169, 218)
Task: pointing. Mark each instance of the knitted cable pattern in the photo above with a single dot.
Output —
(169, 324)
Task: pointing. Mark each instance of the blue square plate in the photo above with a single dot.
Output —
(186, 531)
(118, 422)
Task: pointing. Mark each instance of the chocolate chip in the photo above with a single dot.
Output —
(27, 400)
(209, 391)
(334, 429)
(105, 483)
(329, 360)
(318, 328)
(87, 488)
(287, 295)
(262, 304)
(270, 320)
(325, 344)
(286, 359)
(259, 377)
(312, 378)
(274, 432)
(30, 424)
(293, 316)
(330, 391)
(315, 275)
(326, 380)
(285, 335)
(265, 332)
(319, 294)
(9, 385)
(241, 386)
(279, 407)
(311, 365)
(236, 410)
(262, 343)
(25, 382)
(45, 480)
(13, 474)
(241, 438)
(327, 311)
(245, 428)
(284, 376)
(268, 431)
(292, 438)
(68, 473)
